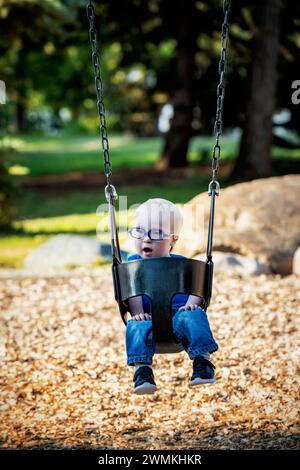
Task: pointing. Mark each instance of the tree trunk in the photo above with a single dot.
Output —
(21, 91)
(177, 139)
(254, 160)
(21, 118)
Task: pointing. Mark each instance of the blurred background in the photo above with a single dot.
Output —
(159, 63)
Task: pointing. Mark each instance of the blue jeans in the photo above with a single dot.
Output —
(190, 327)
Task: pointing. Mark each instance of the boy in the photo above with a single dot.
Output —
(155, 232)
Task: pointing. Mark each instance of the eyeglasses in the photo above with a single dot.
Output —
(153, 234)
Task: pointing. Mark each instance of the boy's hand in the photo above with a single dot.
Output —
(188, 307)
(191, 305)
(141, 316)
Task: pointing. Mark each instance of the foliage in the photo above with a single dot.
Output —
(46, 61)
(7, 195)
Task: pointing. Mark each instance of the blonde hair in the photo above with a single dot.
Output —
(170, 217)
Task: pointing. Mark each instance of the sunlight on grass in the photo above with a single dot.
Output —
(14, 143)
(81, 223)
(62, 154)
(75, 212)
(18, 170)
(66, 143)
(283, 153)
(15, 248)
(76, 223)
(42, 214)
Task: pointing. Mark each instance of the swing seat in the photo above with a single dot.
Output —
(160, 279)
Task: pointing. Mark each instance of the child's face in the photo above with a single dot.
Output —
(148, 248)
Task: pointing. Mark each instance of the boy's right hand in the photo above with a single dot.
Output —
(141, 316)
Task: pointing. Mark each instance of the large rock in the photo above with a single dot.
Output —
(61, 251)
(259, 219)
(234, 263)
(296, 262)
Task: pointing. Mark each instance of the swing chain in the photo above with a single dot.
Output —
(218, 127)
(110, 189)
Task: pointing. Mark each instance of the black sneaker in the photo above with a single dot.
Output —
(144, 381)
(203, 371)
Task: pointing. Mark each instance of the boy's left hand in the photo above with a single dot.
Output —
(189, 307)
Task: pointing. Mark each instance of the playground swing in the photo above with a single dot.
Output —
(148, 276)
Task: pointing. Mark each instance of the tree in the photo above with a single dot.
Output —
(254, 159)
(44, 50)
(7, 195)
(27, 27)
(177, 139)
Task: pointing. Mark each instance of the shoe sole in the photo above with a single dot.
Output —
(199, 381)
(145, 389)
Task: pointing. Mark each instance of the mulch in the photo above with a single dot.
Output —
(65, 382)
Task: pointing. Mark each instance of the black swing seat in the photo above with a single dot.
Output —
(160, 279)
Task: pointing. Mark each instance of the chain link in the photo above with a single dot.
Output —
(218, 126)
(110, 189)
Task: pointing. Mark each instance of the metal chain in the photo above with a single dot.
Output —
(110, 189)
(218, 127)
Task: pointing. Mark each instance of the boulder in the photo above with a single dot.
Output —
(234, 263)
(64, 250)
(296, 261)
(259, 219)
(69, 251)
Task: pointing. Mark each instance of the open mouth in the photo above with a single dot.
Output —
(147, 250)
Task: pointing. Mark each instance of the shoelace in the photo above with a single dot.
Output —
(200, 362)
(143, 373)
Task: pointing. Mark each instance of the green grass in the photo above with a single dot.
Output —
(36, 204)
(42, 214)
(14, 247)
(40, 156)
(45, 156)
(75, 211)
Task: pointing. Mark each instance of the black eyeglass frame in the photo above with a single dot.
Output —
(164, 235)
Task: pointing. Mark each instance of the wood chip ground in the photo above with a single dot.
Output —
(65, 382)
